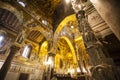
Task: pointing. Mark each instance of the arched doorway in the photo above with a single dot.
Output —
(65, 58)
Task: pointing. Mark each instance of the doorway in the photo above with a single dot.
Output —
(23, 76)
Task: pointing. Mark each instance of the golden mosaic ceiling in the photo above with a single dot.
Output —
(63, 46)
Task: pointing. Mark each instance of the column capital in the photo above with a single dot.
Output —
(14, 48)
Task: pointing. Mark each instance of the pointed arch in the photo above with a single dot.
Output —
(71, 48)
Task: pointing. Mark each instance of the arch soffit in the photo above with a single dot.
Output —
(43, 47)
(71, 47)
(61, 25)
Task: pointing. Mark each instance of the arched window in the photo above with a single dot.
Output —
(3, 39)
(27, 51)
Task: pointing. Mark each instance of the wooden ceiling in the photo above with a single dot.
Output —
(44, 7)
(35, 36)
(9, 20)
(47, 6)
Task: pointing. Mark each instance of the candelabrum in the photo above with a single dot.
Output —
(101, 70)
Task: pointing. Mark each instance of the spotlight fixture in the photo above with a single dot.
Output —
(67, 1)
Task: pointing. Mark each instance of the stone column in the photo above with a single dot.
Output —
(79, 57)
(50, 71)
(92, 45)
(7, 63)
(110, 12)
